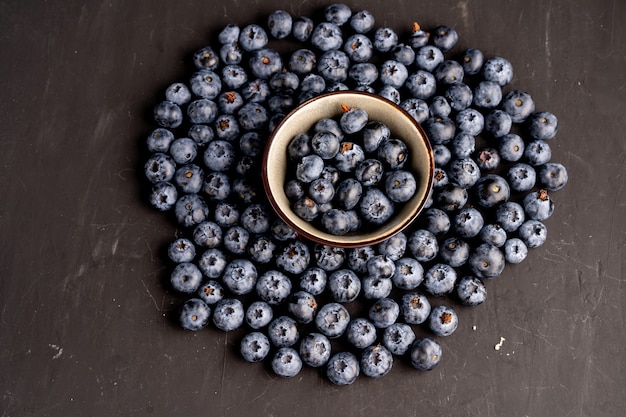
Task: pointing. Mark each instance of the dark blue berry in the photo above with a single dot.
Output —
(460, 96)
(423, 245)
(359, 48)
(454, 251)
(493, 234)
(440, 130)
(463, 172)
(178, 93)
(498, 123)
(326, 36)
(302, 28)
(487, 261)
(160, 167)
(448, 72)
(163, 195)
(515, 250)
(472, 61)
(283, 331)
(236, 240)
(553, 176)
(226, 214)
(463, 145)
(181, 250)
(538, 205)
(362, 22)
(537, 152)
(361, 333)
(205, 84)
(510, 216)
(376, 287)
(206, 58)
(375, 207)
(451, 197)
(253, 37)
(425, 354)
(313, 280)
(415, 308)
(240, 276)
(357, 258)
(344, 285)
(421, 84)
(393, 247)
(159, 140)
(228, 314)
(443, 320)
(444, 37)
(211, 292)
(385, 39)
(492, 190)
(384, 312)
(315, 349)
(286, 362)
(342, 368)
(499, 70)
(471, 291)
(428, 57)
(229, 34)
(334, 66)
(186, 278)
(194, 314)
(264, 63)
(190, 210)
(212, 263)
(279, 23)
(231, 53)
(337, 13)
(542, 125)
(521, 177)
(202, 111)
(398, 338)
(273, 287)
(511, 147)
(519, 104)
(168, 114)
(254, 347)
(376, 361)
(408, 274)
(259, 314)
(302, 306)
(234, 76)
(487, 95)
(533, 233)
(440, 279)
(332, 320)
(294, 257)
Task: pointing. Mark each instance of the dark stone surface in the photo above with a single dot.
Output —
(84, 316)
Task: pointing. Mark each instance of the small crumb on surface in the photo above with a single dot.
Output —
(498, 345)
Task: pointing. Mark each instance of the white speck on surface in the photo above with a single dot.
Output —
(58, 349)
(498, 345)
(474, 327)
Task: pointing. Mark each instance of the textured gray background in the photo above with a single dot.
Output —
(84, 326)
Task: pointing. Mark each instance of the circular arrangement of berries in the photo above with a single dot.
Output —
(350, 311)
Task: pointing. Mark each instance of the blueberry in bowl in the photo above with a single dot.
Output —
(391, 176)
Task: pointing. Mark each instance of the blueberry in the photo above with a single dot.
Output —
(463, 144)
(227, 127)
(186, 278)
(404, 54)
(511, 147)
(415, 308)
(279, 23)
(337, 13)
(443, 320)
(273, 287)
(385, 39)
(332, 320)
(326, 145)
(393, 247)
(302, 62)
(190, 210)
(376, 361)
(440, 279)
(521, 177)
(393, 73)
(211, 292)
(398, 338)
(228, 314)
(537, 152)
(442, 155)
(439, 107)
(400, 186)
(493, 234)
(361, 333)
(538, 205)
(202, 111)
(471, 291)
(264, 63)
(205, 58)
(329, 125)
(542, 125)
(159, 140)
(369, 172)
(240, 276)
(444, 37)
(306, 208)
(181, 250)
(321, 190)
(286, 362)
(334, 66)
(352, 120)
(254, 347)
(230, 33)
(349, 156)
(259, 314)
(553, 176)
(326, 36)
(313, 280)
(375, 207)
(255, 91)
(294, 190)
(284, 83)
(374, 134)
(472, 61)
(533, 233)
(309, 167)
(454, 251)
(376, 287)
(498, 123)
(487, 261)
(178, 93)
(302, 28)
(315, 349)
(488, 159)
(357, 258)
(384, 312)
(463, 172)
(281, 231)
(510, 216)
(231, 53)
(418, 37)
(451, 198)
(219, 155)
(159, 167)
(163, 195)
(492, 190)
(423, 245)
(421, 84)
(440, 130)
(487, 95)
(201, 134)
(359, 48)
(294, 257)
(168, 114)
(436, 221)
(342, 368)
(417, 108)
(283, 332)
(519, 104)
(329, 258)
(234, 76)
(515, 250)
(336, 222)
(498, 69)
(393, 153)
(253, 37)
(226, 214)
(460, 96)
(256, 219)
(194, 314)
(344, 285)
(302, 306)
(408, 274)
(428, 57)
(448, 72)
(236, 240)
(425, 354)
(362, 22)
(212, 263)
(205, 84)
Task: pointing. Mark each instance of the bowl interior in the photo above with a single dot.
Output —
(302, 119)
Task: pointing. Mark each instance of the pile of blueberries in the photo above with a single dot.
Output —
(347, 173)
(346, 311)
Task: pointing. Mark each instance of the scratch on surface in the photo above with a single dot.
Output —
(561, 258)
(547, 41)
(537, 335)
(160, 309)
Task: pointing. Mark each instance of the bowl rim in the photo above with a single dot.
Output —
(350, 240)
